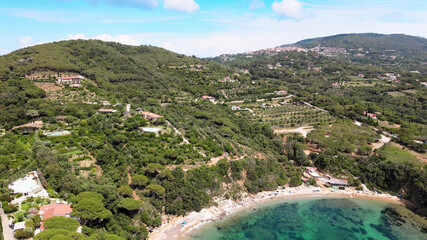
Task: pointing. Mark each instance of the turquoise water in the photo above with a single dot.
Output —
(326, 218)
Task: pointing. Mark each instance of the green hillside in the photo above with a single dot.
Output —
(202, 150)
(144, 71)
(104, 60)
(369, 41)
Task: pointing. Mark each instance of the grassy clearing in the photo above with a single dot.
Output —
(396, 94)
(387, 124)
(410, 91)
(396, 154)
(343, 136)
(75, 152)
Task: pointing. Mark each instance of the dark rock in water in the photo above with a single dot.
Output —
(363, 231)
(393, 216)
(384, 229)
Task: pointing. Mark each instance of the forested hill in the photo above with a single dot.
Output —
(369, 41)
(143, 71)
(89, 57)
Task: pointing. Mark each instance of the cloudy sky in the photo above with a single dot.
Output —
(203, 27)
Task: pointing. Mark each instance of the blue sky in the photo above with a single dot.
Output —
(201, 27)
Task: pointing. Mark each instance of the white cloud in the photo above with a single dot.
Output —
(288, 8)
(26, 41)
(124, 39)
(249, 32)
(145, 4)
(181, 5)
(76, 36)
(256, 4)
(4, 51)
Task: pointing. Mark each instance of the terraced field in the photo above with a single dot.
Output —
(289, 115)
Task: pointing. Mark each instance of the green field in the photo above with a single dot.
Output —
(396, 154)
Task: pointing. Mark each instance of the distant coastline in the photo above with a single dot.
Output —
(174, 230)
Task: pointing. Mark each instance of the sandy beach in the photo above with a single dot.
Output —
(174, 230)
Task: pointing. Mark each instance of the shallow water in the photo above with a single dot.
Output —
(325, 218)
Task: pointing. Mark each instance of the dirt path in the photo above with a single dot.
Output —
(135, 196)
(303, 130)
(225, 94)
(216, 159)
(381, 143)
(7, 231)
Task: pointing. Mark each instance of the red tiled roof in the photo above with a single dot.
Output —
(53, 210)
(151, 115)
(107, 110)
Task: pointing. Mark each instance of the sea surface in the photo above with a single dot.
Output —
(323, 219)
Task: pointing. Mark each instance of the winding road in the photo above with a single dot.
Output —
(7, 231)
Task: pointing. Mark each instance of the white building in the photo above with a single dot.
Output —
(70, 80)
(19, 226)
(312, 172)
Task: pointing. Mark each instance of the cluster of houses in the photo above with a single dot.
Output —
(371, 115)
(149, 115)
(210, 98)
(228, 79)
(275, 50)
(281, 92)
(71, 81)
(270, 66)
(335, 84)
(327, 51)
(30, 186)
(390, 76)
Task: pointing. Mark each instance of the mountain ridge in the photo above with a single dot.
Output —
(375, 41)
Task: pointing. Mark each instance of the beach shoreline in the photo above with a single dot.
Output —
(195, 220)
